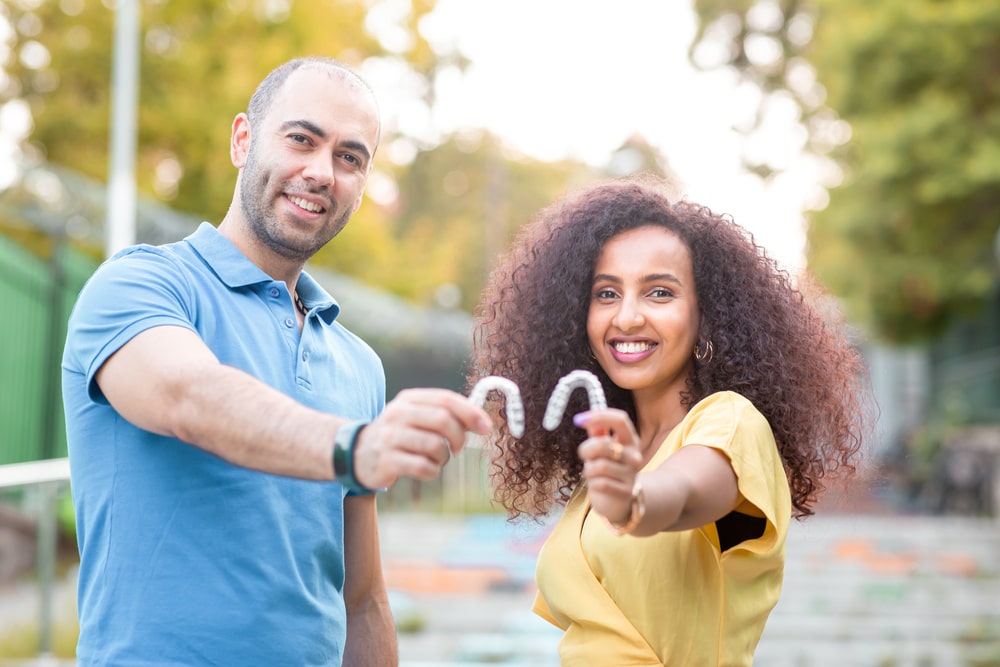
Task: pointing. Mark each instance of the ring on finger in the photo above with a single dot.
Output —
(617, 450)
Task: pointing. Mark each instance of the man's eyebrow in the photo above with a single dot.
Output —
(315, 129)
(305, 125)
(360, 148)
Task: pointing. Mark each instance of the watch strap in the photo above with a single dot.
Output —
(344, 442)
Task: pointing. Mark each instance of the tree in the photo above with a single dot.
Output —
(462, 202)
(200, 60)
(459, 205)
(907, 235)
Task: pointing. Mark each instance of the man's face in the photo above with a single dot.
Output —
(306, 165)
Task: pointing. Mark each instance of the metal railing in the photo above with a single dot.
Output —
(47, 480)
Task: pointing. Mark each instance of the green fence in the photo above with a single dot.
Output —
(965, 367)
(37, 296)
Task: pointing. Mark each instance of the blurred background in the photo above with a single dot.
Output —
(859, 142)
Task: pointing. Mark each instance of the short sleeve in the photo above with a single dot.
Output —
(730, 423)
(139, 289)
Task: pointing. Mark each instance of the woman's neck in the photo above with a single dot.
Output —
(656, 416)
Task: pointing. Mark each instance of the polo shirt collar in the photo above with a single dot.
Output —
(235, 270)
(314, 296)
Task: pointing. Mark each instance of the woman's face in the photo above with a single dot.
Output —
(643, 318)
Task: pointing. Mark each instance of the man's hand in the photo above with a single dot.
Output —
(416, 434)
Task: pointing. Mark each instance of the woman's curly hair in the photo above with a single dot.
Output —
(789, 355)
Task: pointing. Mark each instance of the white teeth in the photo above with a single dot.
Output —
(302, 203)
(633, 348)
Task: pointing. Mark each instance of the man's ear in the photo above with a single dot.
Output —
(357, 202)
(239, 140)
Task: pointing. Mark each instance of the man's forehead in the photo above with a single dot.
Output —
(312, 82)
(325, 99)
(331, 72)
(317, 74)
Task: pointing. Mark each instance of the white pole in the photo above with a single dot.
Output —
(120, 228)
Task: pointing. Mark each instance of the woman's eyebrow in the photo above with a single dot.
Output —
(661, 277)
(649, 278)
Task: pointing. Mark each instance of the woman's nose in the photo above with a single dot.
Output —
(629, 315)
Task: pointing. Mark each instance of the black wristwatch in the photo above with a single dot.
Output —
(343, 456)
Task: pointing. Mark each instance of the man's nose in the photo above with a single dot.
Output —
(319, 170)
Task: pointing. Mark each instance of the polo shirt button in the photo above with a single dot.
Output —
(305, 356)
(275, 292)
(289, 322)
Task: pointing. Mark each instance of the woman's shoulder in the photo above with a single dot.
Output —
(725, 400)
(728, 408)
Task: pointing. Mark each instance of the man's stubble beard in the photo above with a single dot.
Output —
(263, 222)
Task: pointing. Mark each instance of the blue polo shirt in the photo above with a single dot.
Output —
(186, 559)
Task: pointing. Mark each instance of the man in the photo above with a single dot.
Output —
(211, 396)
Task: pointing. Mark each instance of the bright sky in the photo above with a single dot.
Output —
(575, 78)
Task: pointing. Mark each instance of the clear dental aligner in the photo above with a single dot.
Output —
(560, 396)
(515, 407)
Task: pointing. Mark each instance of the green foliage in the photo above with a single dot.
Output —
(907, 237)
(199, 62)
(919, 207)
(462, 202)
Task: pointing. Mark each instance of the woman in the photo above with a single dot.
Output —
(730, 401)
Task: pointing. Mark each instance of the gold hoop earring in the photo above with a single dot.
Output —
(704, 351)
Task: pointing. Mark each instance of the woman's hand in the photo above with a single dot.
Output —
(611, 461)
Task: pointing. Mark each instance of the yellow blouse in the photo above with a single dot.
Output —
(673, 598)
